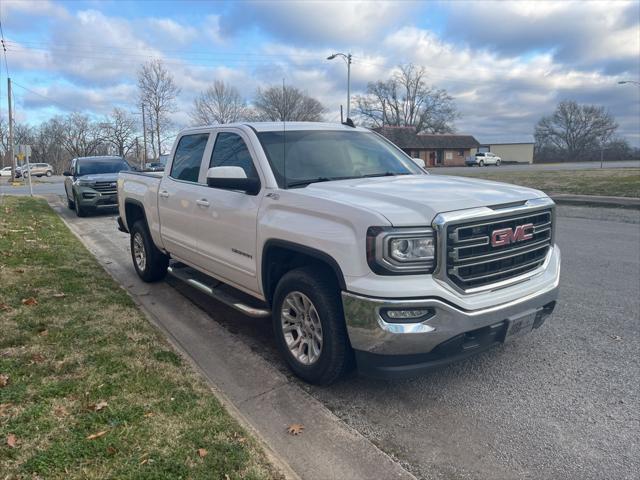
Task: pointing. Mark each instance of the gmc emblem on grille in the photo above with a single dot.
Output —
(505, 236)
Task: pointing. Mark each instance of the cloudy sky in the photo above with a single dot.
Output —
(506, 64)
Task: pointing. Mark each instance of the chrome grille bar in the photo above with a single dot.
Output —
(470, 263)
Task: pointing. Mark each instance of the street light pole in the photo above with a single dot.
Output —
(347, 58)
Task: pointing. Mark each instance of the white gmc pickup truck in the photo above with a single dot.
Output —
(355, 252)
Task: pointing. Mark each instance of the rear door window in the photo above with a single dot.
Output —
(188, 157)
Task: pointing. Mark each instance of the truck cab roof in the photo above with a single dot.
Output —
(279, 126)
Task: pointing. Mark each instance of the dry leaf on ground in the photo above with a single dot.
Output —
(202, 452)
(93, 436)
(60, 411)
(4, 380)
(19, 270)
(96, 407)
(44, 333)
(59, 295)
(11, 440)
(4, 407)
(5, 307)
(149, 414)
(38, 358)
(29, 301)
(295, 428)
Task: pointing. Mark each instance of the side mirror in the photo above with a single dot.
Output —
(66, 173)
(419, 162)
(232, 178)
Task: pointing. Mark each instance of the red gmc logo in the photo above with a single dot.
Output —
(505, 236)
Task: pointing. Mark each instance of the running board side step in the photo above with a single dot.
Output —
(208, 286)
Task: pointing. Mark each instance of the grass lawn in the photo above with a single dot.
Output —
(88, 388)
(617, 182)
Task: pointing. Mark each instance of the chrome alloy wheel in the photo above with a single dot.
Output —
(139, 253)
(301, 328)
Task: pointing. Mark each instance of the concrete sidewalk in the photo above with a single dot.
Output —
(597, 201)
(263, 399)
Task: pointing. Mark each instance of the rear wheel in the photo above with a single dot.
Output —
(481, 163)
(309, 326)
(150, 263)
(497, 163)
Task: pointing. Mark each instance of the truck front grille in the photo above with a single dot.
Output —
(472, 261)
(105, 187)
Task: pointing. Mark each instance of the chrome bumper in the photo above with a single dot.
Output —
(369, 332)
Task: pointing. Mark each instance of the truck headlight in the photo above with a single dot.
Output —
(397, 251)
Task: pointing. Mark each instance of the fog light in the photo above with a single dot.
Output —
(401, 315)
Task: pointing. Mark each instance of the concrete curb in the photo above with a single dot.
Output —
(597, 201)
(254, 392)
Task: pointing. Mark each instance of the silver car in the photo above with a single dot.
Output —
(37, 170)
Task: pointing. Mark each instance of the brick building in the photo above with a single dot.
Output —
(437, 150)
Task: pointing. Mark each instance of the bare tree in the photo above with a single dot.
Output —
(574, 130)
(406, 100)
(220, 103)
(119, 131)
(47, 144)
(158, 92)
(82, 137)
(286, 104)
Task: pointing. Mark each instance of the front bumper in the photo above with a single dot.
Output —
(93, 199)
(450, 333)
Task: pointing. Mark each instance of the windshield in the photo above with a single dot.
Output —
(323, 155)
(92, 167)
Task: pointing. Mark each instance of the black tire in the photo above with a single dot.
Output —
(498, 163)
(71, 205)
(336, 355)
(156, 263)
(49, 173)
(80, 210)
(481, 163)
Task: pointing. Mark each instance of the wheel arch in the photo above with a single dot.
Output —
(281, 256)
(134, 211)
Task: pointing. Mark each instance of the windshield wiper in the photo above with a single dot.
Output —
(301, 183)
(385, 174)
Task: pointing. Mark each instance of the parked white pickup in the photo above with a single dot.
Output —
(354, 251)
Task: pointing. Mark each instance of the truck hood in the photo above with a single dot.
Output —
(412, 200)
(99, 177)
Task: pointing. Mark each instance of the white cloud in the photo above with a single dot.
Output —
(170, 32)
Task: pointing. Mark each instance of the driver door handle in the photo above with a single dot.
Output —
(203, 202)
(164, 194)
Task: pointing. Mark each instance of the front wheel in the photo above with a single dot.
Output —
(481, 163)
(80, 210)
(150, 263)
(49, 173)
(498, 163)
(309, 326)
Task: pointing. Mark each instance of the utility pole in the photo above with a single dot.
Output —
(11, 155)
(347, 58)
(138, 155)
(144, 135)
(348, 86)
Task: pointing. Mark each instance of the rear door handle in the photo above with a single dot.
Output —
(164, 194)
(203, 202)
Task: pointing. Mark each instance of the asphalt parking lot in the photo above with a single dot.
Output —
(562, 402)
